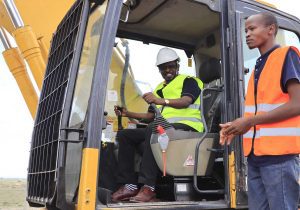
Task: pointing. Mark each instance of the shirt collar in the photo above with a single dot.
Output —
(267, 53)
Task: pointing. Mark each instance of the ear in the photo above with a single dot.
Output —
(272, 29)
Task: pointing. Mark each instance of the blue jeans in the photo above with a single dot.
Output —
(274, 187)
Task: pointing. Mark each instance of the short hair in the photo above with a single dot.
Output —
(269, 19)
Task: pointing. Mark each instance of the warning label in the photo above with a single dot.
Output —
(189, 161)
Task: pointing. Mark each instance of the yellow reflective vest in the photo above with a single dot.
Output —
(191, 115)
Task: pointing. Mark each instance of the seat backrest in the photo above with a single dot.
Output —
(210, 73)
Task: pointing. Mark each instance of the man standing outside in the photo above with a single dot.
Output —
(271, 124)
(178, 98)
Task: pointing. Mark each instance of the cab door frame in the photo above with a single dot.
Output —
(239, 10)
(87, 197)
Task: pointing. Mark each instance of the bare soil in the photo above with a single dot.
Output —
(13, 194)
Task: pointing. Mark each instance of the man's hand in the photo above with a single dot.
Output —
(239, 126)
(122, 112)
(225, 138)
(231, 129)
(151, 98)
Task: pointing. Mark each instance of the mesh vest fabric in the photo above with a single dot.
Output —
(191, 115)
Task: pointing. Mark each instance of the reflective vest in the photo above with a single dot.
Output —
(191, 115)
(278, 138)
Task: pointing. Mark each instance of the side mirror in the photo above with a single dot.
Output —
(124, 13)
(127, 5)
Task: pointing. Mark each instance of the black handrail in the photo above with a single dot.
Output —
(219, 191)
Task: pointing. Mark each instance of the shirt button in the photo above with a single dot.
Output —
(256, 69)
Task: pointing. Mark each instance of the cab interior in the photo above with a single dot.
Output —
(193, 28)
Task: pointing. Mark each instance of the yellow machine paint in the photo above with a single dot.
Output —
(44, 48)
(266, 3)
(42, 16)
(34, 50)
(232, 180)
(17, 67)
(88, 179)
(30, 50)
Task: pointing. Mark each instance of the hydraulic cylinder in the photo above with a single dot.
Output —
(17, 67)
(30, 50)
(43, 47)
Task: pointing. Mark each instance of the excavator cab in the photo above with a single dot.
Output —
(189, 177)
(97, 59)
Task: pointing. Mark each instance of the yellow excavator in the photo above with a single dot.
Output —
(73, 147)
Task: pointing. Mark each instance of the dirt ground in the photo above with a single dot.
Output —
(13, 194)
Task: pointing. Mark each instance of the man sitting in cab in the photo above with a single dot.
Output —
(178, 98)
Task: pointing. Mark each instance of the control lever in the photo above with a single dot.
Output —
(120, 126)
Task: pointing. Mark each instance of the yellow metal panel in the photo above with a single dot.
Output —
(232, 180)
(266, 3)
(88, 179)
(43, 16)
(30, 50)
(17, 67)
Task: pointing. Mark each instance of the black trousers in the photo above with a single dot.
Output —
(129, 140)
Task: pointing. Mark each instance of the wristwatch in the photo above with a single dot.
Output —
(167, 102)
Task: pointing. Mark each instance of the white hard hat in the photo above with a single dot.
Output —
(166, 55)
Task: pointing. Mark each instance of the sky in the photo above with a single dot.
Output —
(16, 123)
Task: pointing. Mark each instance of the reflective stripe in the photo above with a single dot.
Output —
(280, 131)
(250, 133)
(192, 106)
(262, 107)
(250, 109)
(273, 132)
(177, 119)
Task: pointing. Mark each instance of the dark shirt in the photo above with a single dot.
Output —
(190, 88)
(291, 70)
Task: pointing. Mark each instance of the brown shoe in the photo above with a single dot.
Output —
(144, 195)
(123, 194)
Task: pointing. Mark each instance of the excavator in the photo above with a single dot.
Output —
(88, 70)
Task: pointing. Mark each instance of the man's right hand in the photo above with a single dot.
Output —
(120, 111)
(225, 139)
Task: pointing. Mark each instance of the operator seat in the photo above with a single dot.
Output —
(181, 149)
(210, 74)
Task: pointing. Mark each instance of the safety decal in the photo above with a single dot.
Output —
(189, 161)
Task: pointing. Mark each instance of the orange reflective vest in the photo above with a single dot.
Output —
(274, 138)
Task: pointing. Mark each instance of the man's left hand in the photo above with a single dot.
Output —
(151, 98)
(239, 126)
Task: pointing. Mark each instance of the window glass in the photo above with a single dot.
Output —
(80, 100)
(143, 59)
(126, 85)
(86, 67)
